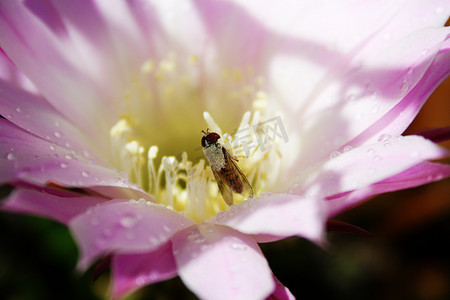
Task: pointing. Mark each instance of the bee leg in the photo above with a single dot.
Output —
(234, 157)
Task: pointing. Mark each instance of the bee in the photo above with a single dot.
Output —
(229, 177)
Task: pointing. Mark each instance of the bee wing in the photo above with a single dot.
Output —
(247, 191)
(225, 190)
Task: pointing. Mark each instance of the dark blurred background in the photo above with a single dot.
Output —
(408, 256)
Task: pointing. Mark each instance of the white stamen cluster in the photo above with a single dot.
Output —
(176, 181)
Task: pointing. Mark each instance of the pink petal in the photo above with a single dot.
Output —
(132, 271)
(369, 164)
(279, 215)
(111, 55)
(25, 157)
(244, 34)
(33, 114)
(217, 262)
(54, 68)
(419, 174)
(123, 226)
(79, 41)
(425, 172)
(352, 99)
(145, 14)
(366, 43)
(233, 35)
(61, 209)
(281, 292)
(292, 17)
(177, 25)
(396, 120)
(387, 85)
(12, 75)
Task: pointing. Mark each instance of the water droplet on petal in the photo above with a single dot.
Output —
(153, 240)
(384, 138)
(238, 246)
(199, 240)
(52, 148)
(64, 165)
(128, 221)
(347, 148)
(335, 154)
(370, 152)
(85, 174)
(86, 154)
(140, 281)
(425, 51)
(19, 110)
(11, 156)
(57, 134)
(439, 176)
(69, 156)
(219, 216)
(404, 87)
(376, 158)
(122, 176)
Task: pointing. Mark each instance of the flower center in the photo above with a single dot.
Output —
(156, 140)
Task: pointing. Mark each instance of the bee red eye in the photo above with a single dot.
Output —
(210, 138)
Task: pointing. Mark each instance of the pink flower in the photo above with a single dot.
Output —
(104, 103)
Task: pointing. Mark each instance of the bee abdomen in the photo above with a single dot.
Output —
(232, 179)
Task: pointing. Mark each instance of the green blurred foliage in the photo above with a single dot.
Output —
(37, 261)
